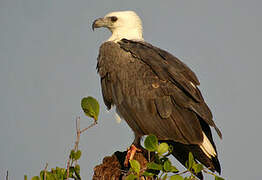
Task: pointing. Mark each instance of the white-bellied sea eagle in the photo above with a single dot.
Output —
(153, 91)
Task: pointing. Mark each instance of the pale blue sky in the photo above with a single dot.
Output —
(47, 64)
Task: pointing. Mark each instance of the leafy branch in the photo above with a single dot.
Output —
(161, 168)
(90, 107)
(158, 167)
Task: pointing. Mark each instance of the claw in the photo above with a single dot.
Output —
(130, 154)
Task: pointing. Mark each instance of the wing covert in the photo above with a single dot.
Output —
(169, 68)
(152, 92)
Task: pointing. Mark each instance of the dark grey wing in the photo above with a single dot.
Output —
(156, 94)
(104, 68)
(169, 68)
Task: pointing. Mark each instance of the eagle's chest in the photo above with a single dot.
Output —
(135, 78)
(127, 74)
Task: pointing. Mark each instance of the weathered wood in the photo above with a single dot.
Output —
(112, 167)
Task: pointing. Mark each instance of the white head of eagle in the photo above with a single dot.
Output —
(122, 24)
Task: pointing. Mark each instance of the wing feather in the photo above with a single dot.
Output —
(106, 92)
(167, 67)
(153, 91)
(163, 67)
(164, 106)
(157, 94)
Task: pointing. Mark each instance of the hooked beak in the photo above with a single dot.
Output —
(100, 22)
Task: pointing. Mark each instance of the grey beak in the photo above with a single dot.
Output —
(100, 22)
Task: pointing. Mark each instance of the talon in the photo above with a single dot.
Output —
(131, 153)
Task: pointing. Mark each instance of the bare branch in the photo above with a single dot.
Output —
(208, 172)
(67, 169)
(45, 171)
(6, 175)
(78, 133)
(83, 130)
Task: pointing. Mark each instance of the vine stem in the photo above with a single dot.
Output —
(45, 171)
(208, 172)
(182, 172)
(67, 169)
(83, 130)
(78, 133)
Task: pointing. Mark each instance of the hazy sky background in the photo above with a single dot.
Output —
(48, 63)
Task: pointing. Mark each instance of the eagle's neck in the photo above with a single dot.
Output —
(131, 34)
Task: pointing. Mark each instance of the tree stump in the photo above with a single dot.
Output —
(112, 167)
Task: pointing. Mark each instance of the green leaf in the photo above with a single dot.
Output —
(72, 154)
(63, 170)
(25, 177)
(197, 167)
(174, 169)
(50, 176)
(176, 177)
(148, 174)
(71, 169)
(135, 165)
(154, 166)
(186, 164)
(91, 107)
(131, 177)
(151, 143)
(218, 178)
(190, 160)
(52, 170)
(42, 173)
(162, 148)
(167, 166)
(165, 177)
(162, 160)
(78, 154)
(77, 169)
(35, 178)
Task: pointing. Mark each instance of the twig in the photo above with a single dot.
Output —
(6, 175)
(45, 171)
(183, 172)
(76, 145)
(208, 172)
(67, 170)
(78, 133)
(148, 156)
(83, 130)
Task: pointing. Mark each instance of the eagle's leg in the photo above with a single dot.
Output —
(130, 154)
(132, 150)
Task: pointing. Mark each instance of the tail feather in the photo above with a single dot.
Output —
(181, 152)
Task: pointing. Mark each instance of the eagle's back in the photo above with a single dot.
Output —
(156, 94)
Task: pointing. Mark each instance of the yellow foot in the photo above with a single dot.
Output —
(130, 154)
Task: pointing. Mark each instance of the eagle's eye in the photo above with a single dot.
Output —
(113, 18)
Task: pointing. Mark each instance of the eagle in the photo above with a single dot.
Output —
(154, 92)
